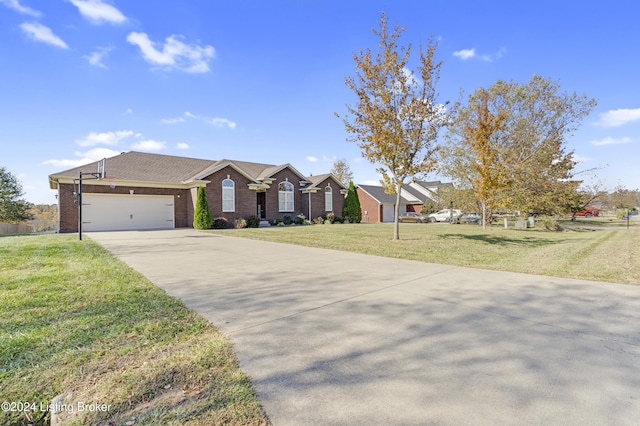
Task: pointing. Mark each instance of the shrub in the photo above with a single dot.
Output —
(338, 219)
(277, 222)
(299, 220)
(330, 217)
(220, 223)
(253, 222)
(318, 220)
(351, 207)
(202, 215)
(287, 220)
(307, 222)
(239, 223)
(552, 224)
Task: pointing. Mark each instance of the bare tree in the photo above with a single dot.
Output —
(342, 171)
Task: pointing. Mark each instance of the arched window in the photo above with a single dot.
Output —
(328, 199)
(228, 195)
(285, 196)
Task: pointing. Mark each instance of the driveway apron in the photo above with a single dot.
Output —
(336, 338)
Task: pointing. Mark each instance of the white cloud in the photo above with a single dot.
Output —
(149, 145)
(90, 156)
(371, 182)
(465, 54)
(182, 145)
(129, 111)
(312, 159)
(173, 120)
(173, 53)
(216, 121)
(98, 12)
(222, 122)
(95, 58)
(618, 117)
(612, 141)
(105, 138)
(43, 33)
(25, 10)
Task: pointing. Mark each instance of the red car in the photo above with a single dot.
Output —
(588, 212)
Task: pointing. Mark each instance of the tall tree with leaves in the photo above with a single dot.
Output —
(480, 127)
(202, 216)
(352, 209)
(529, 146)
(13, 209)
(342, 171)
(396, 119)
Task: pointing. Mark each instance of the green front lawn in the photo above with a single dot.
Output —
(75, 320)
(603, 255)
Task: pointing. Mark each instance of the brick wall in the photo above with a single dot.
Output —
(318, 200)
(370, 206)
(245, 199)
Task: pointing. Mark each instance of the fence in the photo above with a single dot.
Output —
(12, 228)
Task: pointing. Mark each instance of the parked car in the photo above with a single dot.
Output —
(412, 217)
(473, 218)
(588, 212)
(445, 215)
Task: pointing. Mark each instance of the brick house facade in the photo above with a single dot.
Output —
(234, 190)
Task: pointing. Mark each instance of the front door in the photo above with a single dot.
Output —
(262, 199)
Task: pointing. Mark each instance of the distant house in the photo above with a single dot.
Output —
(378, 206)
(152, 191)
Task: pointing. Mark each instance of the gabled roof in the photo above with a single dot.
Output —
(378, 194)
(416, 192)
(318, 179)
(140, 167)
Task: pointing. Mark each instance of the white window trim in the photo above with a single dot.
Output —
(283, 197)
(328, 202)
(233, 195)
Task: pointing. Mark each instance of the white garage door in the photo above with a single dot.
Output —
(109, 212)
(388, 213)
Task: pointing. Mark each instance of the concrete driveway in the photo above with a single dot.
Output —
(347, 339)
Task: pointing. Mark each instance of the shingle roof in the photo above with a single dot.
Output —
(157, 168)
(378, 193)
(143, 167)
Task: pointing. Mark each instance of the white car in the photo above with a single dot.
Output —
(445, 215)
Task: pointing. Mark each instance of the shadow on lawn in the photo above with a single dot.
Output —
(494, 239)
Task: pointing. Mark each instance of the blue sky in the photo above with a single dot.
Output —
(260, 80)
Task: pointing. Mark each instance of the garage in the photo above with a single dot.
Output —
(117, 212)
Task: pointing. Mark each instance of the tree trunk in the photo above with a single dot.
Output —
(484, 215)
(396, 223)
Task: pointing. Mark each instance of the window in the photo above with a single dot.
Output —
(328, 199)
(285, 196)
(228, 195)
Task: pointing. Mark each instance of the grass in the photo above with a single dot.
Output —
(76, 321)
(603, 255)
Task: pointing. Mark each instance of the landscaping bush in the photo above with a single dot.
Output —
(351, 209)
(551, 224)
(318, 220)
(300, 219)
(220, 223)
(329, 217)
(202, 215)
(338, 219)
(253, 222)
(287, 220)
(239, 223)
